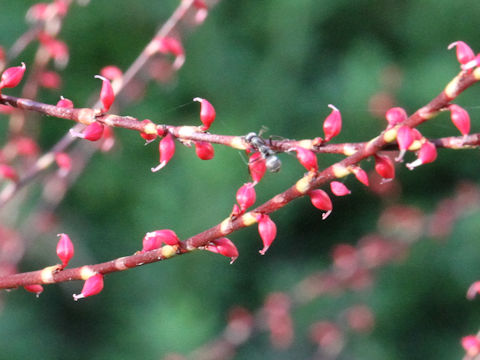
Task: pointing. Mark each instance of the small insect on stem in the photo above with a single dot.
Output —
(272, 162)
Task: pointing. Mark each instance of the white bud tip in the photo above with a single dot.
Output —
(160, 166)
(198, 99)
(100, 77)
(333, 107)
(325, 215)
(452, 45)
(79, 296)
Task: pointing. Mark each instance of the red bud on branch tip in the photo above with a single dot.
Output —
(332, 124)
(321, 201)
(207, 113)
(223, 246)
(471, 345)
(246, 196)
(361, 175)
(204, 150)
(460, 118)
(473, 290)
(405, 138)
(307, 158)
(267, 230)
(339, 189)
(12, 76)
(395, 116)
(155, 239)
(257, 167)
(65, 249)
(166, 149)
(107, 96)
(36, 289)
(426, 154)
(8, 172)
(93, 285)
(464, 52)
(384, 166)
(65, 103)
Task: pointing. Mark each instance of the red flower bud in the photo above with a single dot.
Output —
(155, 239)
(166, 149)
(92, 132)
(426, 154)
(267, 230)
(93, 285)
(339, 189)
(257, 167)
(65, 249)
(65, 103)
(166, 45)
(246, 196)
(8, 172)
(204, 150)
(464, 52)
(405, 138)
(111, 72)
(460, 118)
(384, 167)
(223, 246)
(473, 290)
(12, 76)
(107, 96)
(36, 289)
(207, 113)
(50, 80)
(321, 201)
(361, 175)
(332, 124)
(395, 116)
(307, 158)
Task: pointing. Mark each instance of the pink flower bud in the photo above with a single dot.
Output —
(223, 246)
(57, 49)
(111, 72)
(8, 172)
(384, 167)
(426, 154)
(473, 290)
(361, 175)
(63, 161)
(65, 103)
(332, 124)
(166, 45)
(65, 249)
(12, 76)
(204, 150)
(50, 80)
(471, 345)
(339, 189)
(36, 289)
(26, 146)
(395, 116)
(321, 201)
(464, 52)
(166, 149)
(207, 113)
(460, 118)
(257, 167)
(93, 285)
(405, 138)
(307, 158)
(246, 196)
(107, 96)
(92, 132)
(155, 239)
(267, 230)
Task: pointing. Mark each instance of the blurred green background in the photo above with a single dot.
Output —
(274, 64)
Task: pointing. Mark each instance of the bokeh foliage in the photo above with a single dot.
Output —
(274, 64)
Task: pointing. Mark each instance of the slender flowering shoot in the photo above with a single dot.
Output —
(207, 113)
(92, 286)
(166, 149)
(332, 124)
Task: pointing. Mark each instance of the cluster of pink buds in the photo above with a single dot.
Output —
(92, 286)
(168, 45)
(207, 113)
(223, 246)
(465, 55)
(12, 76)
(156, 239)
